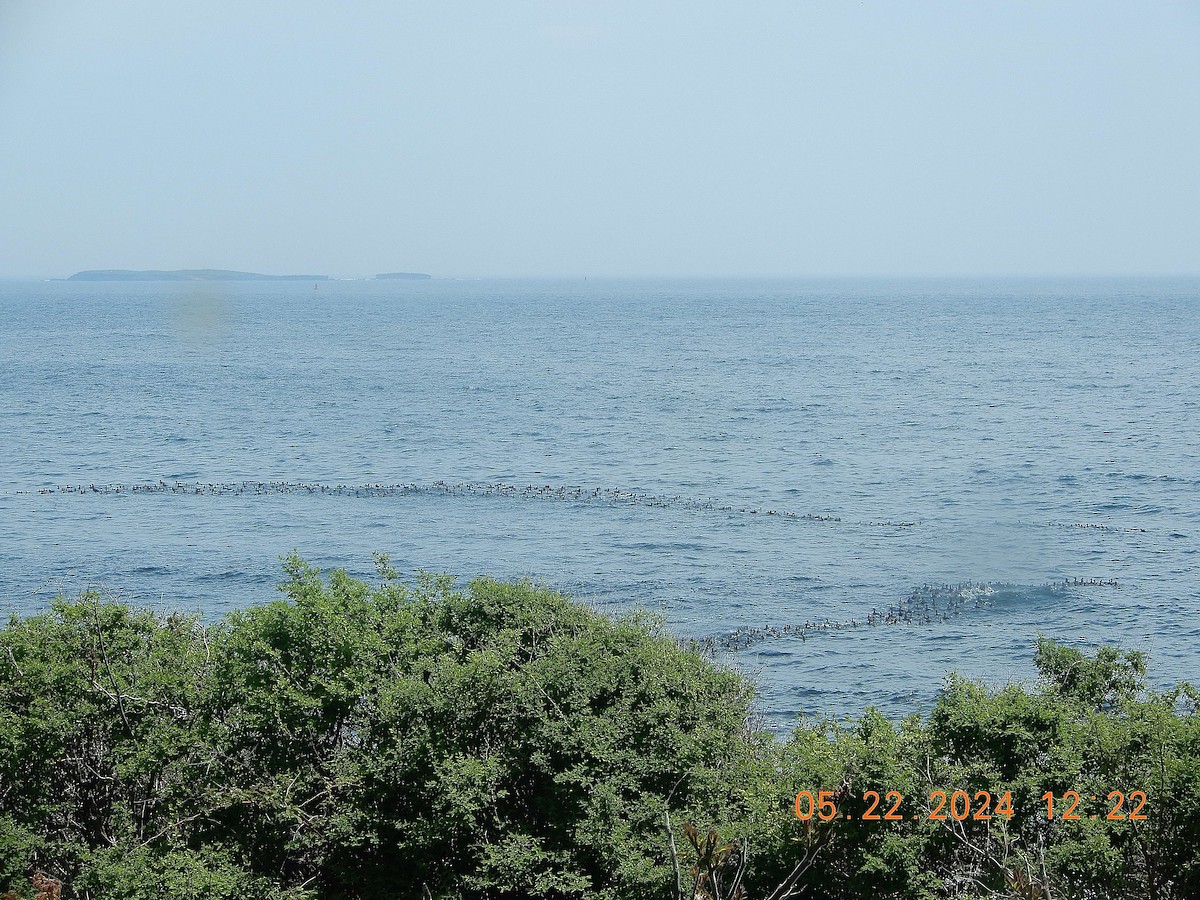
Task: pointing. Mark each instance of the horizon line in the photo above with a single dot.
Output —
(834, 276)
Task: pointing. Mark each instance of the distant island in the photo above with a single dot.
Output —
(186, 275)
(412, 276)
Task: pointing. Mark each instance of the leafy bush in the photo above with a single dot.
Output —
(358, 741)
(378, 741)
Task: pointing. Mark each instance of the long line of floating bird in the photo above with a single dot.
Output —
(572, 494)
(927, 605)
(609, 496)
(1095, 526)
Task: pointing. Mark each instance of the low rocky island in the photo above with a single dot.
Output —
(185, 275)
(410, 276)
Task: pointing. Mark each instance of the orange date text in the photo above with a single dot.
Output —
(961, 805)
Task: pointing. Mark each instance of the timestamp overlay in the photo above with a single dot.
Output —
(938, 805)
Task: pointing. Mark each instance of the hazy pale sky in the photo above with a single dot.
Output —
(530, 137)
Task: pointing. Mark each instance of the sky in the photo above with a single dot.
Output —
(571, 138)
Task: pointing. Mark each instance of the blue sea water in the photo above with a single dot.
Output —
(747, 459)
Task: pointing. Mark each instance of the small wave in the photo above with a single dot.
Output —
(1143, 477)
(661, 546)
(237, 576)
(150, 570)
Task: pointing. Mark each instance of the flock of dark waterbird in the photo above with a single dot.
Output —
(565, 494)
(929, 604)
(610, 496)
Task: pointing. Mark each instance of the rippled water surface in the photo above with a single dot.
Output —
(860, 485)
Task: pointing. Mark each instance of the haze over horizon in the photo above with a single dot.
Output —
(615, 139)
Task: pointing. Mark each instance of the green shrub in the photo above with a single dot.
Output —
(497, 741)
(362, 741)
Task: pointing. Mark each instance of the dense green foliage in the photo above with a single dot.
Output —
(499, 741)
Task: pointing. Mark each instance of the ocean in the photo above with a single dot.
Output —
(844, 488)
